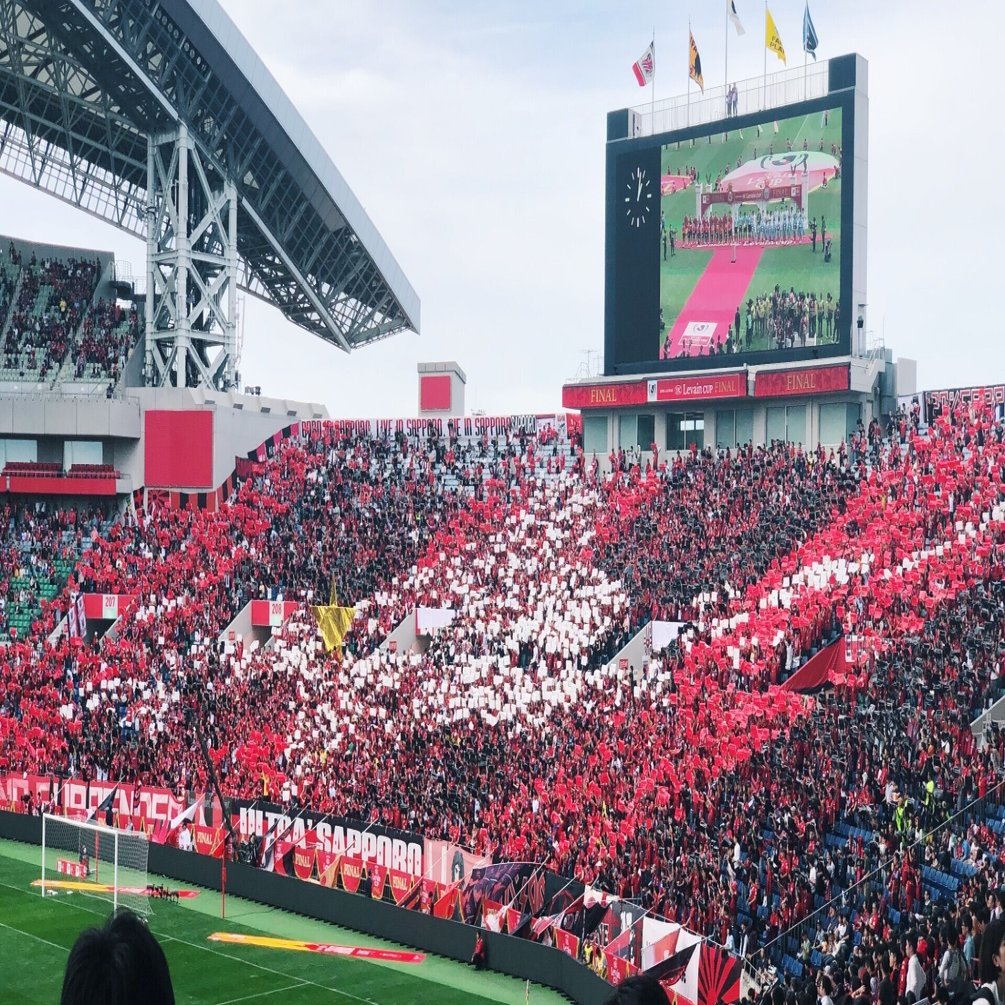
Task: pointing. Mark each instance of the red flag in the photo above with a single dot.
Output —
(644, 67)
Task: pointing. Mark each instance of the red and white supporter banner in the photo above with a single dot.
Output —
(402, 885)
(809, 380)
(328, 867)
(605, 395)
(303, 862)
(450, 863)
(352, 873)
(65, 867)
(474, 425)
(378, 876)
(566, 942)
(148, 808)
(208, 840)
(947, 400)
(106, 606)
(725, 385)
(14, 789)
(662, 389)
(271, 613)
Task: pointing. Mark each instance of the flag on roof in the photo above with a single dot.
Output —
(644, 67)
(809, 34)
(734, 17)
(694, 65)
(772, 40)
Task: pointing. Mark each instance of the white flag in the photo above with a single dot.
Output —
(734, 17)
(188, 814)
(645, 67)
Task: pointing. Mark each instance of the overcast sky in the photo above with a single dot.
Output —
(473, 135)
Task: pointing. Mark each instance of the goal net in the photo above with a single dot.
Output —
(96, 861)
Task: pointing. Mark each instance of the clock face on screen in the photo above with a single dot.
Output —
(638, 197)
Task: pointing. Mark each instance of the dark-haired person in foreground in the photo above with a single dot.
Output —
(120, 963)
(992, 965)
(640, 990)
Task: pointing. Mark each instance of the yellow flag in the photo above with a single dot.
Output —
(772, 40)
(694, 65)
(333, 621)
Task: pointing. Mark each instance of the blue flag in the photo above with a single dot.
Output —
(809, 34)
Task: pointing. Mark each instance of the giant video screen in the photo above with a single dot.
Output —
(745, 260)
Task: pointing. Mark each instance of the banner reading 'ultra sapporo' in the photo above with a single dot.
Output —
(373, 843)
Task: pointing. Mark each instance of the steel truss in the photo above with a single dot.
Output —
(85, 84)
(191, 306)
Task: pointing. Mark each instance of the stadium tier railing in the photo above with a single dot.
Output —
(755, 94)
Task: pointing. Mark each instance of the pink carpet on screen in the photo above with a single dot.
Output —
(716, 295)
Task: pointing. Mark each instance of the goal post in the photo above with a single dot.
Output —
(97, 861)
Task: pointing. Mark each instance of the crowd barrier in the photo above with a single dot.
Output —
(507, 954)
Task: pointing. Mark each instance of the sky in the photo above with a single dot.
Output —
(473, 135)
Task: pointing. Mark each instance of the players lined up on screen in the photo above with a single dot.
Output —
(776, 226)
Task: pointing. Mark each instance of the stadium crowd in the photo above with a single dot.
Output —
(697, 785)
(47, 317)
(53, 296)
(107, 336)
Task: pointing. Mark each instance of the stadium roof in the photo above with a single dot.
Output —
(83, 83)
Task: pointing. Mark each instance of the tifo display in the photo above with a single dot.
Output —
(533, 569)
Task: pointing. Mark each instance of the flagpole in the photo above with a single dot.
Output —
(689, 72)
(805, 54)
(764, 78)
(725, 84)
(652, 97)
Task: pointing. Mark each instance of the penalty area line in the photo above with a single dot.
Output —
(37, 938)
(263, 994)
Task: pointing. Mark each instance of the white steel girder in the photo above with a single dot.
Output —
(192, 268)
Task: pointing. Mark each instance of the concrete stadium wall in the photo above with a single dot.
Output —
(241, 422)
(65, 416)
(634, 651)
(508, 955)
(404, 635)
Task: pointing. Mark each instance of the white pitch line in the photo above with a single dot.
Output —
(262, 994)
(195, 945)
(37, 938)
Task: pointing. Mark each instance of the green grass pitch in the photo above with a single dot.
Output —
(36, 934)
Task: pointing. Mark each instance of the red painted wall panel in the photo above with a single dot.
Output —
(434, 393)
(178, 449)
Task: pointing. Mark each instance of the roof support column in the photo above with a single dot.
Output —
(192, 267)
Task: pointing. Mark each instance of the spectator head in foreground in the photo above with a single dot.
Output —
(638, 990)
(120, 963)
(992, 969)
